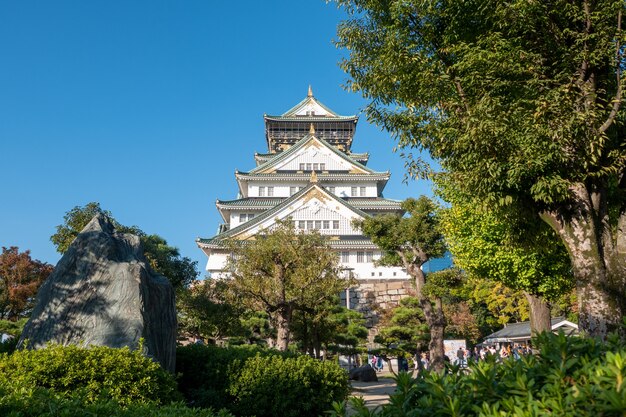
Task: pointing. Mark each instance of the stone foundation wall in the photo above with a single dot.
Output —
(372, 296)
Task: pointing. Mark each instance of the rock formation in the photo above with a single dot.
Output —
(364, 373)
(103, 292)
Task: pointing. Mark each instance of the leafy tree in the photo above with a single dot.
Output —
(20, 279)
(410, 242)
(164, 259)
(523, 256)
(503, 304)
(256, 327)
(283, 270)
(205, 310)
(521, 103)
(329, 327)
(403, 327)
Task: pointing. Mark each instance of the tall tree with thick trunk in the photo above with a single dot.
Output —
(410, 242)
(522, 104)
(282, 271)
(500, 245)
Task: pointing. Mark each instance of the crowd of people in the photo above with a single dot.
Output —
(463, 355)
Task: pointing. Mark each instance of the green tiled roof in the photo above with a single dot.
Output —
(378, 176)
(264, 157)
(310, 118)
(265, 203)
(311, 98)
(337, 242)
(268, 213)
(299, 145)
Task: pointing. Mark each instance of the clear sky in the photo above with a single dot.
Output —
(148, 107)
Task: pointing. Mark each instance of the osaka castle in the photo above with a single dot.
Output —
(310, 175)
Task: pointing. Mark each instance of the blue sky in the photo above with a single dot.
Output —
(148, 107)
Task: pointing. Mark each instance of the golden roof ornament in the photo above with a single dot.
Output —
(313, 179)
(312, 129)
(310, 93)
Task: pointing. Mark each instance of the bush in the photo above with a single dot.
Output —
(40, 402)
(94, 373)
(289, 387)
(252, 381)
(569, 377)
(13, 328)
(203, 371)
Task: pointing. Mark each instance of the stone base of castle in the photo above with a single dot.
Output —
(372, 296)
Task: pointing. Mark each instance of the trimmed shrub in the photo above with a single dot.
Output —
(569, 377)
(94, 373)
(252, 381)
(288, 387)
(40, 402)
(204, 371)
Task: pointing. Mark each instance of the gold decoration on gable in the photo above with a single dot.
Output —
(316, 193)
(313, 144)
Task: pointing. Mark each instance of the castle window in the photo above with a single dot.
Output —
(353, 191)
(335, 224)
(316, 167)
(369, 256)
(331, 190)
(261, 191)
(345, 257)
(318, 224)
(360, 257)
(362, 191)
(322, 167)
(292, 190)
(301, 224)
(326, 224)
(270, 191)
(308, 167)
(309, 224)
(301, 167)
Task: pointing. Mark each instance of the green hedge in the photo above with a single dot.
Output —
(253, 381)
(288, 387)
(203, 371)
(569, 377)
(94, 373)
(40, 402)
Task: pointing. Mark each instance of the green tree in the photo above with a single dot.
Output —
(410, 242)
(164, 259)
(20, 279)
(403, 327)
(521, 103)
(205, 310)
(329, 327)
(281, 271)
(525, 256)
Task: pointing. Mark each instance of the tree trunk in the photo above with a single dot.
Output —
(434, 318)
(598, 260)
(283, 320)
(539, 314)
(437, 325)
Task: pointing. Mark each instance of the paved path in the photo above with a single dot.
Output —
(374, 393)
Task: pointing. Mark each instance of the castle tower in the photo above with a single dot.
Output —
(311, 175)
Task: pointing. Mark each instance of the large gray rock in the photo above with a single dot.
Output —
(103, 292)
(364, 373)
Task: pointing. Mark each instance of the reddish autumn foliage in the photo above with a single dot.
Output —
(20, 278)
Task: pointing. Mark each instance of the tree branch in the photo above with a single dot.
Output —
(617, 101)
